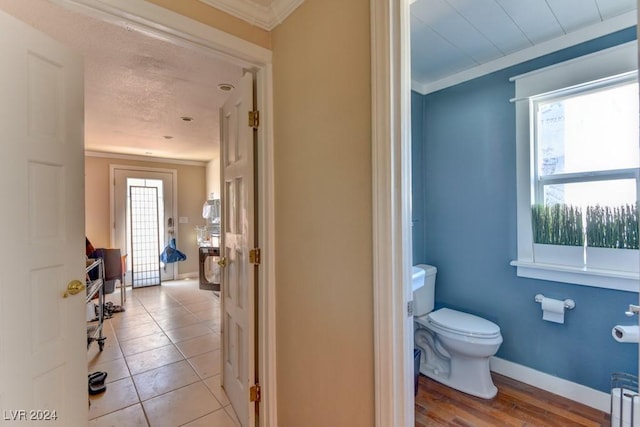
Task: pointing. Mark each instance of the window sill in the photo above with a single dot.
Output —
(608, 279)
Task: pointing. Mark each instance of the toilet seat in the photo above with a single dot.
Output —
(460, 323)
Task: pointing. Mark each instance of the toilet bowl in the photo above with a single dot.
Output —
(456, 346)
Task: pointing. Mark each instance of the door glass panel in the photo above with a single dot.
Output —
(144, 236)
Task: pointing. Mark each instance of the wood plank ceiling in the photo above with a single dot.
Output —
(454, 36)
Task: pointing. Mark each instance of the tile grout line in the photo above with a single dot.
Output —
(135, 387)
(184, 358)
(200, 379)
(126, 362)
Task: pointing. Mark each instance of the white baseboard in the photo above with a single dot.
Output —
(192, 275)
(576, 392)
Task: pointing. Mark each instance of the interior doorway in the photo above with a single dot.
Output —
(164, 182)
(184, 32)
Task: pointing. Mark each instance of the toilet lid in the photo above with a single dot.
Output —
(463, 323)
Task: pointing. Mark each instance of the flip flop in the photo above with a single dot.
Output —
(97, 388)
(96, 382)
(97, 378)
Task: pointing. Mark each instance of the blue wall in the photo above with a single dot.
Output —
(464, 223)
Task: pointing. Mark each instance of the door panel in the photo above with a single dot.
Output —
(239, 276)
(120, 208)
(42, 336)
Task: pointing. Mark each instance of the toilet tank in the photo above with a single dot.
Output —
(424, 288)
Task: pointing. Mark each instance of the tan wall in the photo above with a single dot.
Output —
(191, 196)
(322, 101)
(213, 17)
(323, 208)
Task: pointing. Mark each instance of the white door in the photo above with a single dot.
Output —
(163, 180)
(43, 347)
(239, 275)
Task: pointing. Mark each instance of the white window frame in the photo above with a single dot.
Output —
(600, 65)
(579, 177)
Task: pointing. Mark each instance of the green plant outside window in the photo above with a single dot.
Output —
(612, 227)
(604, 226)
(557, 224)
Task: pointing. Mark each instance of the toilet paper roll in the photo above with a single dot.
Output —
(552, 310)
(624, 333)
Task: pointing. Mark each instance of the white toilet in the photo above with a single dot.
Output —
(456, 346)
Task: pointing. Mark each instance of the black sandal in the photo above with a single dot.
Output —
(97, 377)
(97, 389)
(96, 382)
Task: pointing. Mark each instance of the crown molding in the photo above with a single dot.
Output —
(265, 17)
(151, 159)
(591, 32)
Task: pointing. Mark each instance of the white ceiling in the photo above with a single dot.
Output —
(137, 88)
(454, 40)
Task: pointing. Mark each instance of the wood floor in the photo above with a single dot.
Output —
(516, 404)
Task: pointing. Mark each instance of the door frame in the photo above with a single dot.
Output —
(156, 21)
(112, 200)
(391, 148)
(391, 185)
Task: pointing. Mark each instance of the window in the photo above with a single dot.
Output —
(578, 166)
(586, 144)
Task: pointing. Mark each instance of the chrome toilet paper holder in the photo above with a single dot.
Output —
(633, 309)
(569, 304)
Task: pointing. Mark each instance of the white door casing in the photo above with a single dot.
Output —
(238, 237)
(119, 175)
(391, 175)
(43, 355)
(159, 22)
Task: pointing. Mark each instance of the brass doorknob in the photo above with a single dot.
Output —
(223, 262)
(74, 287)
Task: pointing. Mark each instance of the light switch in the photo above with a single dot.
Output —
(184, 220)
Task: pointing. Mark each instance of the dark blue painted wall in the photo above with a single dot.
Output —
(464, 223)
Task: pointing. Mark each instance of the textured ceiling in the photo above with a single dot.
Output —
(137, 88)
(455, 36)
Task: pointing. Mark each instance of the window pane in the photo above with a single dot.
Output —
(603, 193)
(592, 131)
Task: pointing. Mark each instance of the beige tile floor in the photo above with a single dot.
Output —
(162, 357)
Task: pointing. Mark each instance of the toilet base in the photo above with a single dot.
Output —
(471, 376)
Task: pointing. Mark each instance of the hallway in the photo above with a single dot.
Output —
(162, 356)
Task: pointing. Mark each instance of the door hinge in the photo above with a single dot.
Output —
(254, 256)
(410, 309)
(254, 393)
(254, 119)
